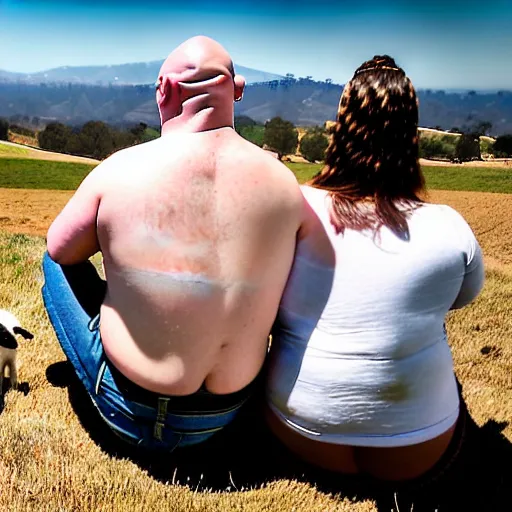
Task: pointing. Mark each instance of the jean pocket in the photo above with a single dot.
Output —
(114, 409)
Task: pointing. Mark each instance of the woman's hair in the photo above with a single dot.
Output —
(373, 152)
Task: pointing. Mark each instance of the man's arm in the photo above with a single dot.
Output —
(72, 237)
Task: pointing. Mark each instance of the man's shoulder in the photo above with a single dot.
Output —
(126, 157)
(143, 148)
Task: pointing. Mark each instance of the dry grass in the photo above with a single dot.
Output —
(54, 456)
(30, 211)
(25, 140)
(11, 150)
(502, 163)
(25, 149)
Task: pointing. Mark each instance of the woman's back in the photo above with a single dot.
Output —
(360, 354)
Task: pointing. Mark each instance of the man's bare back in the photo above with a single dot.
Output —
(197, 249)
(197, 231)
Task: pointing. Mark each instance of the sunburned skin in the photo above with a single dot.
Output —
(197, 230)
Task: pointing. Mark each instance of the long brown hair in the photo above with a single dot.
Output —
(373, 152)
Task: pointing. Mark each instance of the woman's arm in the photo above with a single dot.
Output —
(474, 275)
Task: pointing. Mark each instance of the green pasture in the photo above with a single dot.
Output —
(45, 174)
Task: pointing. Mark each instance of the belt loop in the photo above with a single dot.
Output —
(163, 403)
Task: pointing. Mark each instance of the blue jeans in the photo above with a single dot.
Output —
(73, 296)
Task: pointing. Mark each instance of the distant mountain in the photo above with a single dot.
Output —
(121, 74)
(8, 76)
(304, 102)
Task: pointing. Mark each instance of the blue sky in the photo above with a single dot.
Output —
(440, 44)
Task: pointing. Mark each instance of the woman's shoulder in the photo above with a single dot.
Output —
(442, 212)
(446, 219)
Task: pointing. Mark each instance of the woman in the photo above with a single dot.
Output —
(361, 376)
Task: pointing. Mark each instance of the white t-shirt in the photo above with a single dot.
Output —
(359, 353)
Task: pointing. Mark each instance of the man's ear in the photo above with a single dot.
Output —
(168, 93)
(239, 81)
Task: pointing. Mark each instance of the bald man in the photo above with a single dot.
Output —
(197, 230)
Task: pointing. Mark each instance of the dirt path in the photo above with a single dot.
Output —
(30, 211)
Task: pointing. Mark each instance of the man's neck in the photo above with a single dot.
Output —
(200, 114)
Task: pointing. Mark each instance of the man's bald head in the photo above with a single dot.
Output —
(198, 55)
(199, 67)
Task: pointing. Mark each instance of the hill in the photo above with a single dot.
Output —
(10, 150)
(120, 74)
(304, 102)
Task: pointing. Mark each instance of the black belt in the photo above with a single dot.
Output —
(200, 402)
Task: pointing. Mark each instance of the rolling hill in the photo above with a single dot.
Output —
(304, 102)
(120, 74)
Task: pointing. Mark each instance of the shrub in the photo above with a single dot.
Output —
(4, 129)
(55, 137)
(442, 147)
(21, 130)
(486, 147)
(503, 146)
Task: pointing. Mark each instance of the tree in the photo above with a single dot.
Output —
(4, 129)
(314, 144)
(468, 147)
(431, 147)
(55, 137)
(138, 131)
(503, 146)
(97, 139)
(482, 128)
(242, 122)
(280, 136)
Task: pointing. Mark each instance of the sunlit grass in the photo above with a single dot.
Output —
(477, 179)
(8, 150)
(41, 174)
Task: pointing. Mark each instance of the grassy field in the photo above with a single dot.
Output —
(476, 179)
(7, 150)
(41, 174)
(56, 456)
